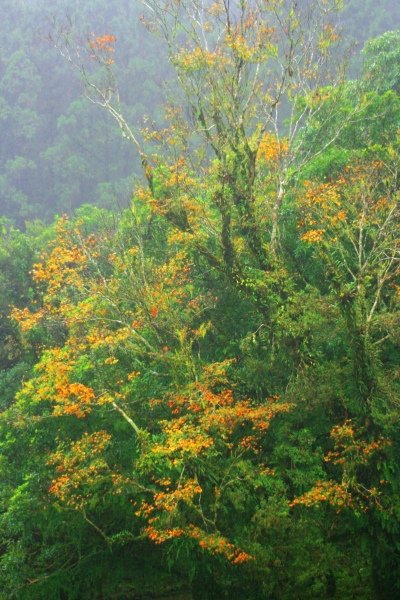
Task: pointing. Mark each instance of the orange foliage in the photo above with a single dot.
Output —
(347, 446)
(213, 543)
(53, 384)
(333, 493)
(102, 44)
(106, 310)
(26, 319)
(204, 424)
(196, 59)
(313, 236)
(65, 262)
(350, 452)
(80, 469)
(271, 149)
(332, 210)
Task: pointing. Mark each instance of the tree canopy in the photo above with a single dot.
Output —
(199, 392)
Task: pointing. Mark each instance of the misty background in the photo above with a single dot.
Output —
(59, 151)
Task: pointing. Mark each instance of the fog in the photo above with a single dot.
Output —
(58, 150)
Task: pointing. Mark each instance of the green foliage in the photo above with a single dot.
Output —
(190, 408)
(60, 152)
(381, 62)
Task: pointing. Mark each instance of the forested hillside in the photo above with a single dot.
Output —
(199, 359)
(61, 152)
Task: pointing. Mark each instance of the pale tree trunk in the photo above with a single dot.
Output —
(275, 217)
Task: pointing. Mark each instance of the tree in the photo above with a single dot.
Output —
(381, 60)
(202, 394)
(245, 69)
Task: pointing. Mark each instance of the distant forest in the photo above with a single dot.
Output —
(58, 151)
